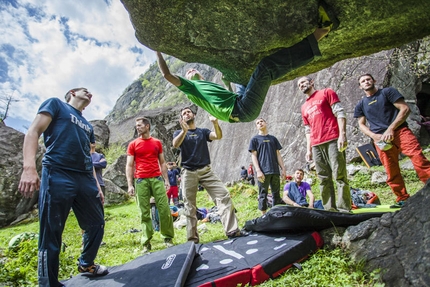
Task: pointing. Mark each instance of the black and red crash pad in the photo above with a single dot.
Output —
(290, 218)
(252, 259)
(168, 267)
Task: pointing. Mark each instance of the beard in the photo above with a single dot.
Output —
(190, 121)
(306, 89)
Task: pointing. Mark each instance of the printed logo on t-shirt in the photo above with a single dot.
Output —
(372, 102)
(313, 110)
(80, 123)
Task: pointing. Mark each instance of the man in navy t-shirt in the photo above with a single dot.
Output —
(267, 160)
(68, 181)
(386, 112)
(196, 169)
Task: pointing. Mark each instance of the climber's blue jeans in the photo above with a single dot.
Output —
(251, 99)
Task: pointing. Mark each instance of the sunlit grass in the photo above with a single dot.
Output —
(324, 268)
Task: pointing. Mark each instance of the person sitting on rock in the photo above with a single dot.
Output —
(246, 104)
(295, 192)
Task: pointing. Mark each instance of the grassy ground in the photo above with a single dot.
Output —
(324, 268)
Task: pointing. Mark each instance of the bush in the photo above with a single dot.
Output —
(113, 152)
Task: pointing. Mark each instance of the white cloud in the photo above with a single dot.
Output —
(59, 45)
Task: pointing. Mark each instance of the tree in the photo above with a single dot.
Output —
(5, 102)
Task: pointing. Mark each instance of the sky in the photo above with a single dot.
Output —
(48, 47)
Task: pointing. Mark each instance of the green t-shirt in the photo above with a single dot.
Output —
(211, 97)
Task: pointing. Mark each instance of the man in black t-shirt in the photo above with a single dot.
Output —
(267, 159)
(386, 112)
(197, 170)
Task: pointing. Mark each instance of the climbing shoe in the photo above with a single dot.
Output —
(95, 269)
(327, 17)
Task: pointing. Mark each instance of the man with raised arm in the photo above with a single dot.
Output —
(196, 169)
(246, 104)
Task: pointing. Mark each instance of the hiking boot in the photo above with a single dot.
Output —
(168, 242)
(95, 269)
(327, 17)
(238, 233)
(146, 248)
(399, 204)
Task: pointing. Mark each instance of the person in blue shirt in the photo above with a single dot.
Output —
(99, 163)
(173, 174)
(295, 192)
(68, 181)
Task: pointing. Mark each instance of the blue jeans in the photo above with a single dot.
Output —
(251, 99)
(295, 195)
(61, 190)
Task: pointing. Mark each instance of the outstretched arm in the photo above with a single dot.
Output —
(166, 72)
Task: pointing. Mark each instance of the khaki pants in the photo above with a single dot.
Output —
(330, 165)
(217, 191)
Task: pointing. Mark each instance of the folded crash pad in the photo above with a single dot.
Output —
(284, 217)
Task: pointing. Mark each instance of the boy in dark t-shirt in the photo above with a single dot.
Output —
(264, 149)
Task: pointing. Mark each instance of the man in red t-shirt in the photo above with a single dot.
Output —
(144, 178)
(325, 129)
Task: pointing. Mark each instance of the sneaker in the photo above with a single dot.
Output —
(399, 204)
(168, 242)
(146, 248)
(95, 269)
(238, 233)
(327, 17)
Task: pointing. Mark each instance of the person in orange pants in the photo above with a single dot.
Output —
(386, 111)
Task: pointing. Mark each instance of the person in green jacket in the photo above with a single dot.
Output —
(245, 105)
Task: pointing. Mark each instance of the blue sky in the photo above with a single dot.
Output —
(50, 46)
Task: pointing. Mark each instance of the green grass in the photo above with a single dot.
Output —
(324, 268)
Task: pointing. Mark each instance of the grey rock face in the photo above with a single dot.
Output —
(12, 204)
(397, 243)
(115, 173)
(232, 36)
(101, 132)
(114, 194)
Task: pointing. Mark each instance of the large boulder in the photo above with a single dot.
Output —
(12, 204)
(101, 132)
(232, 36)
(397, 243)
(115, 173)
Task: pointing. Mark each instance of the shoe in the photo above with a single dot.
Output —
(168, 242)
(399, 204)
(327, 17)
(95, 269)
(238, 233)
(146, 248)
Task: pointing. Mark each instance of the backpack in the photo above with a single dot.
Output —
(363, 198)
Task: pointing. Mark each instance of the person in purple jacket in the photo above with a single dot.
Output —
(99, 163)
